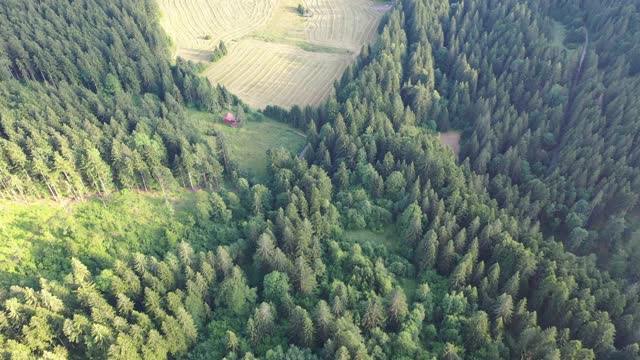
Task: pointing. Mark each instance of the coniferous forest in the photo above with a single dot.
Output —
(378, 243)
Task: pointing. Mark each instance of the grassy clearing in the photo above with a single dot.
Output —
(393, 246)
(390, 240)
(40, 237)
(197, 26)
(304, 45)
(389, 237)
(19, 224)
(248, 145)
(278, 74)
(311, 47)
(275, 55)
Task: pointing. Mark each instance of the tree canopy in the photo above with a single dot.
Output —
(380, 242)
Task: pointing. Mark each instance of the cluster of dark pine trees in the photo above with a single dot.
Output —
(89, 102)
(473, 263)
(555, 129)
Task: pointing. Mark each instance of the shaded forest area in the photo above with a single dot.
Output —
(491, 256)
(89, 103)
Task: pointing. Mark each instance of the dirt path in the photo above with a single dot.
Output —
(303, 151)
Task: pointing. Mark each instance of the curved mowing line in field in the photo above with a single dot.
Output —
(268, 80)
(246, 76)
(278, 84)
(312, 82)
(315, 83)
(271, 73)
(189, 21)
(339, 23)
(321, 92)
(276, 72)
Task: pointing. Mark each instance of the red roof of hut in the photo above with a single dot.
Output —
(229, 117)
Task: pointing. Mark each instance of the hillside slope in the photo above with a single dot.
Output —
(380, 243)
(90, 103)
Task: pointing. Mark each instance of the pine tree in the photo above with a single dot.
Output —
(305, 276)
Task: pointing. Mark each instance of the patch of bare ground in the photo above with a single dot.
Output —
(452, 140)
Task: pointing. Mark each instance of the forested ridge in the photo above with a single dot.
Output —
(89, 102)
(380, 243)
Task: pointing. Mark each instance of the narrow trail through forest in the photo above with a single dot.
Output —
(576, 76)
(575, 80)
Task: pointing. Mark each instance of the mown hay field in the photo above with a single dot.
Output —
(276, 56)
(197, 26)
(277, 73)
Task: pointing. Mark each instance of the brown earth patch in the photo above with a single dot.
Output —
(452, 140)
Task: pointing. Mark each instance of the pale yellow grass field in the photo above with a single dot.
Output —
(188, 22)
(275, 56)
(269, 73)
(341, 23)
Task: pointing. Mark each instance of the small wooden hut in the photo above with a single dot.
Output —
(231, 120)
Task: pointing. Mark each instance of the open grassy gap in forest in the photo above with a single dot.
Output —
(45, 234)
(247, 145)
(390, 239)
(275, 56)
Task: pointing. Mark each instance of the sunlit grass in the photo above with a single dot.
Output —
(248, 145)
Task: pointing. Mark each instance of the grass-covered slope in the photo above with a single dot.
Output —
(247, 145)
(42, 236)
(379, 244)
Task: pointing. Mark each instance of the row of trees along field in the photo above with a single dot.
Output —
(447, 268)
(89, 102)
